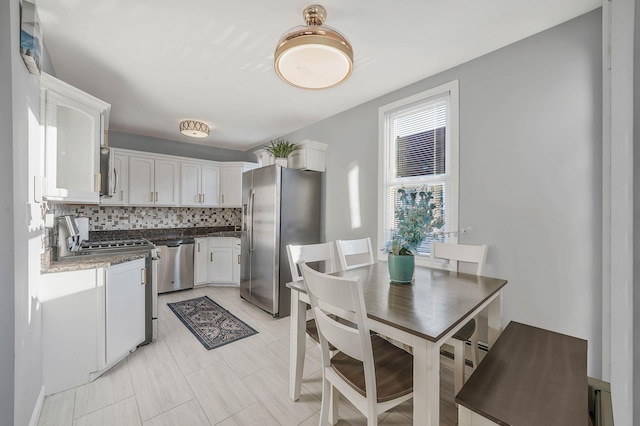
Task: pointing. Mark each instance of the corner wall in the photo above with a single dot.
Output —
(24, 229)
(7, 286)
(530, 173)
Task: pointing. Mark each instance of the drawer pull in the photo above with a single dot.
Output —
(143, 273)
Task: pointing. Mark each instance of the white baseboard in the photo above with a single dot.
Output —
(37, 409)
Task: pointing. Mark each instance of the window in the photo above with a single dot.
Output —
(419, 147)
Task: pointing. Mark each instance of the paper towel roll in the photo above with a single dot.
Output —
(83, 228)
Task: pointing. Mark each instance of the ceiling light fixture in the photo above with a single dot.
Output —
(194, 128)
(314, 56)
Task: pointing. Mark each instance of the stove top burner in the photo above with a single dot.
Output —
(98, 245)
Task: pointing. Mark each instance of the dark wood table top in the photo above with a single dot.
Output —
(434, 303)
(531, 376)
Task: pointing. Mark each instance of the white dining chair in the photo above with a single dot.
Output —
(373, 374)
(354, 253)
(451, 254)
(323, 257)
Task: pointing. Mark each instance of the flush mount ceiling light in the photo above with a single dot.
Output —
(194, 128)
(314, 56)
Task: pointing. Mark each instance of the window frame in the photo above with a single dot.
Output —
(451, 234)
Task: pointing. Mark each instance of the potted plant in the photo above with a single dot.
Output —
(281, 149)
(417, 217)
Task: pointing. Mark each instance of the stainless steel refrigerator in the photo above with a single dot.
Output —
(280, 206)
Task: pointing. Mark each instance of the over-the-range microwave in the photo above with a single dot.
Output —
(108, 175)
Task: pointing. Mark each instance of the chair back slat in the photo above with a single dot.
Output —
(355, 253)
(311, 253)
(460, 253)
(334, 295)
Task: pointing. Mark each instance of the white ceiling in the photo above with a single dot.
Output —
(158, 62)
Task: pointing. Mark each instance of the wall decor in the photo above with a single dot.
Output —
(30, 37)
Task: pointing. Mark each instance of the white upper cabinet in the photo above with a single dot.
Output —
(74, 127)
(144, 179)
(231, 183)
(199, 184)
(142, 189)
(153, 182)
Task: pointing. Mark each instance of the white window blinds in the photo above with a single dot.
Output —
(418, 151)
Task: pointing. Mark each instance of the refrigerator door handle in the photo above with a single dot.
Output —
(252, 195)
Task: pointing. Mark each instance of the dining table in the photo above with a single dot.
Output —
(422, 315)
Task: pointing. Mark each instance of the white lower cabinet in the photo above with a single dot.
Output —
(124, 308)
(215, 261)
(91, 319)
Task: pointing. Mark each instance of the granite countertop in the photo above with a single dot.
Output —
(80, 262)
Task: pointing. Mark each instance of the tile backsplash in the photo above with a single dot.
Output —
(102, 218)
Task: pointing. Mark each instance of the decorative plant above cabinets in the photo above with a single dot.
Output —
(75, 125)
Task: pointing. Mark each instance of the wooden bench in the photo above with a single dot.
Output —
(530, 376)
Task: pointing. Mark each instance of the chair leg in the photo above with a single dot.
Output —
(333, 406)
(458, 362)
(475, 354)
(325, 405)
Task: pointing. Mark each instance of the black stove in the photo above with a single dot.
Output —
(115, 246)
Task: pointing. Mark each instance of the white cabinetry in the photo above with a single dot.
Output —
(199, 184)
(231, 183)
(216, 260)
(153, 182)
(74, 127)
(91, 319)
(124, 308)
(120, 180)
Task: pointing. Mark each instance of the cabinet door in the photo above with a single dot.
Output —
(124, 309)
(220, 265)
(167, 180)
(69, 329)
(201, 261)
(120, 181)
(231, 186)
(210, 185)
(72, 140)
(190, 178)
(141, 181)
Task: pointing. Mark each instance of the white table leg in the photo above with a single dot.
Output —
(494, 320)
(297, 344)
(426, 384)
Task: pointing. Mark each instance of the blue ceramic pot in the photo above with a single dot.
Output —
(401, 268)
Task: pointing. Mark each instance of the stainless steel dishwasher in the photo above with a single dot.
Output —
(175, 270)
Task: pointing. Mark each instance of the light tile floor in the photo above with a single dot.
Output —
(176, 381)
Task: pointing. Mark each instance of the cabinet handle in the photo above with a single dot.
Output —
(156, 197)
(97, 183)
(152, 196)
(198, 247)
(143, 272)
(211, 256)
(222, 198)
(202, 198)
(121, 195)
(239, 259)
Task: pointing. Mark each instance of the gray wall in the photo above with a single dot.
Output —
(7, 321)
(530, 172)
(164, 146)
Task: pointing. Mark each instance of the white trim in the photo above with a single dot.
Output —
(37, 409)
(452, 88)
(606, 191)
